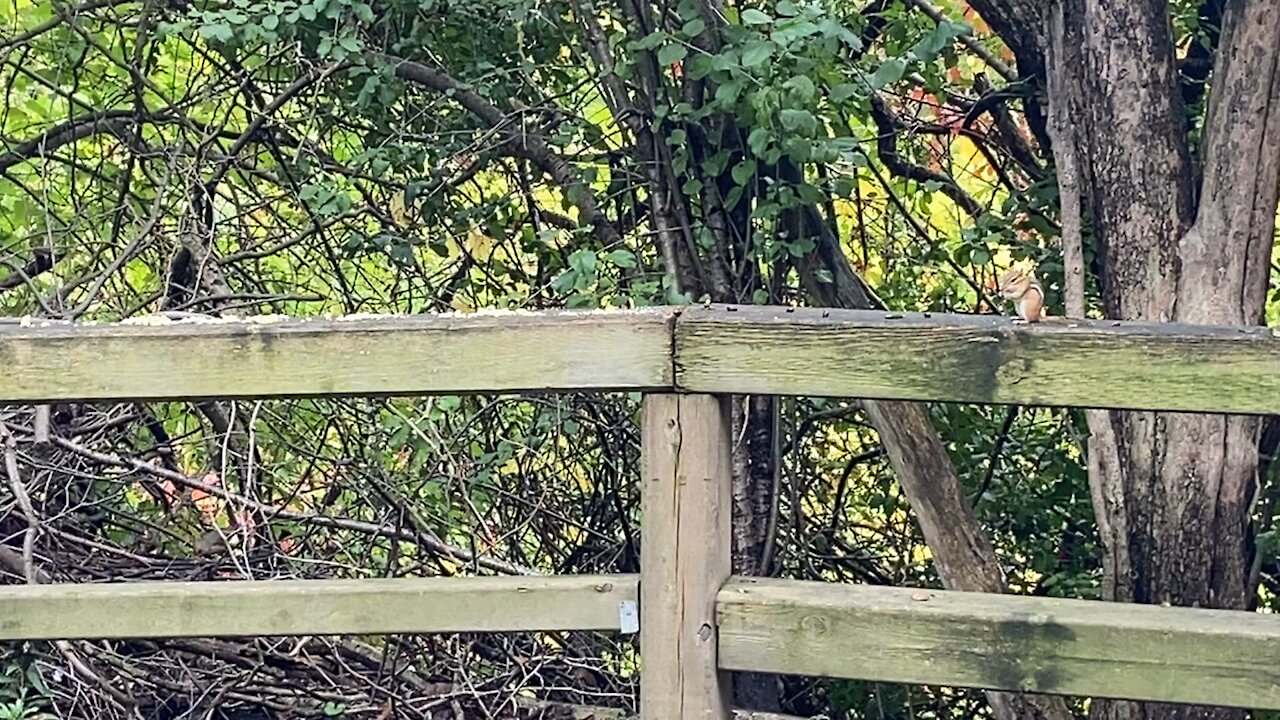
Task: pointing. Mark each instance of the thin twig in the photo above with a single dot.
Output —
(34, 575)
(431, 543)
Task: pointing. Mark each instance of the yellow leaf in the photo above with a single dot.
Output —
(479, 245)
(399, 209)
(462, 303)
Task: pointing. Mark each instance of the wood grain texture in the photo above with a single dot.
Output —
(1002, 642)
(403, 355)
(684, 556)
(796, 351)
(313, 607)
(978, 359)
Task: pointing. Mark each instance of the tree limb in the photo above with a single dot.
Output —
(887, 127)
(527, 145)
(111, 122)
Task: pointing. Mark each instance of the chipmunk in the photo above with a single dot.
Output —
(1022, 287)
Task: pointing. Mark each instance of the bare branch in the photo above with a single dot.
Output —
(516, 140)
(51, 23)
(110, 122)
(434, 544)
(888, 125)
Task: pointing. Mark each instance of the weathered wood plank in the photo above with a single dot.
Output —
(684, 556)
(403, 355)
(844, 353)
(977, 358)
(313, 607)
(1002, 642)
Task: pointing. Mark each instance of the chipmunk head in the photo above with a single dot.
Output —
(1015, 283)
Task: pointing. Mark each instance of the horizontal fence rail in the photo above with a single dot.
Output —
(1001, 642)
(282, 357)
(977, 359)
(711, 349)
(317, 607)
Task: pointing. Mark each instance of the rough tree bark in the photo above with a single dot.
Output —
(1184, 235)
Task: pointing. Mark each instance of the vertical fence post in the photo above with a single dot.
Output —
(684, 555)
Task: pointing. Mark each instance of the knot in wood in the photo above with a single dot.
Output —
(814, 625)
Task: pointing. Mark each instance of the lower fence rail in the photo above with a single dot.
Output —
(1001, 642)
(318, 607)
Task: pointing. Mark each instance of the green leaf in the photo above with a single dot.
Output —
(786, 8)
(943, 35)
(752, 16)
(699, 67)
(622, 258)
(832, 29)
(694, 27)
(651, 41)
(803, 87)
(727, 93)
(732, 198)
(716, 164)
(756, 52)
(795, 30)
(891, 71)
(809, 194)
(672, 53)
(164, 31)
(758, 140)
(271, 22)
(744, 171)
(584, 261)
(801, 120)
(220, 32)
(565, 282)
(843, 91)
(800, 247)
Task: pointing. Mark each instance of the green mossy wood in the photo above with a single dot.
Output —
(1001, 642)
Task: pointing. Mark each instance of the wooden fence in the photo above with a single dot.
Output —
(695, 620)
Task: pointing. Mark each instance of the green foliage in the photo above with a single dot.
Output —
(361, 191)
(23, 694)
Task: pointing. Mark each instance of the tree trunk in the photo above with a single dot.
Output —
(753, 502)
(1173, 491)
